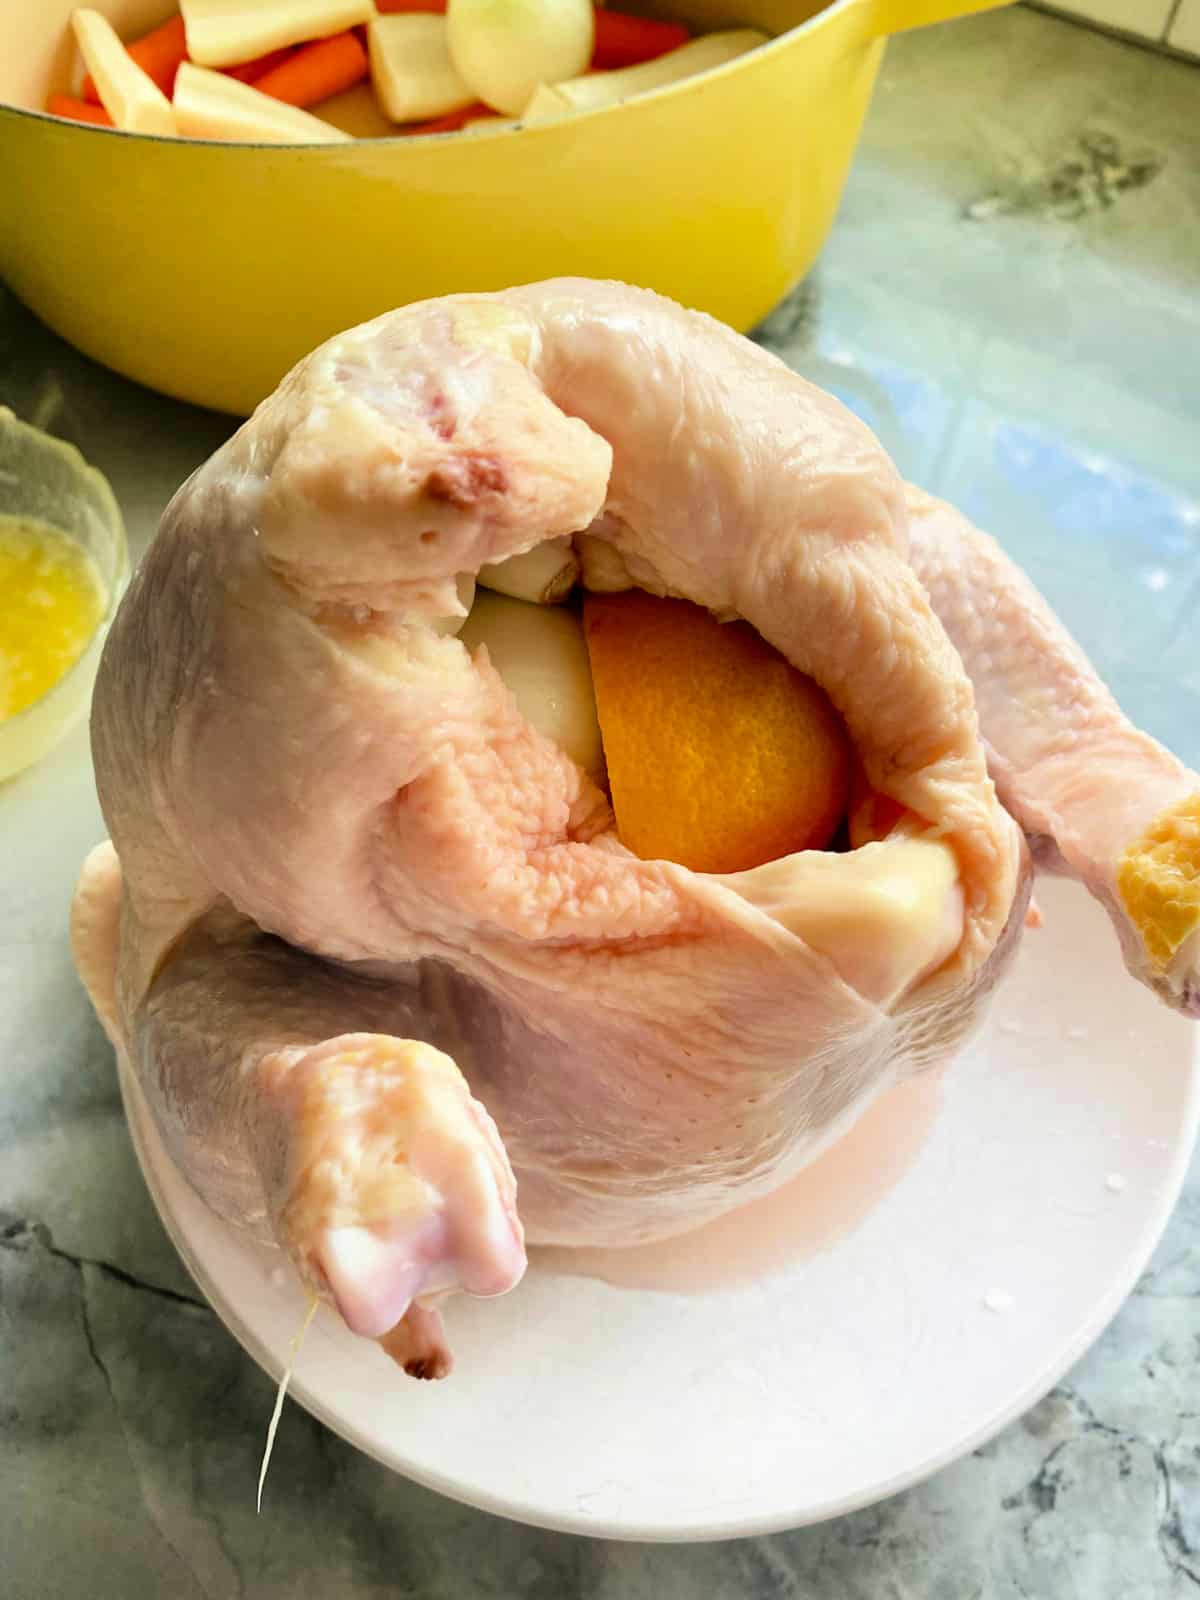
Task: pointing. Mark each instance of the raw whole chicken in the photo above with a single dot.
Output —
(369, 939)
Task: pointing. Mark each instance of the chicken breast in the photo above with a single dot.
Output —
(353, 897)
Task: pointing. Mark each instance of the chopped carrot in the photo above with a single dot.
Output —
(158, 53)
(454, 120)
(65, 105)
(387, 8)
(316, 71)
(252, 71)
(625, 41)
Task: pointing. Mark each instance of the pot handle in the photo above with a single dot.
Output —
(897, 16)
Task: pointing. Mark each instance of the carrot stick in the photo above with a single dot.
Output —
(65, 105)
(389, 8)
(158, 53)
(252, 71)
(625, 41)
(316, 71)
(454, 120)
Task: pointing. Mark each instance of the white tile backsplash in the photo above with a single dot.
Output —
(1185, 29)
(1150, 18)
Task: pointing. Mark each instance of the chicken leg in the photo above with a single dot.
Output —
(289, 1092)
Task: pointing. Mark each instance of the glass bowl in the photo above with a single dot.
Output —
(48, 481)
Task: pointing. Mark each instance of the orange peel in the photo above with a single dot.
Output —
(721, 756)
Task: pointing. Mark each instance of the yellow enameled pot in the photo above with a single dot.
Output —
(206, 270)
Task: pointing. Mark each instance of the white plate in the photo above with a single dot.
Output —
(922, 1284)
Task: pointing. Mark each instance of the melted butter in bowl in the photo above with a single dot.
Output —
(52, 600)
(63, 568)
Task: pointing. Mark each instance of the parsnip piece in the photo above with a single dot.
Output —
(552, 100)
(133, 100)
(209, 105)
(357, 112)
(411, 69)
(546, 574)
(540, 653)
(221, 33)
(505, 48)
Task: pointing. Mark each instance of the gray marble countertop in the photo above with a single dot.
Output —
(1010, 298)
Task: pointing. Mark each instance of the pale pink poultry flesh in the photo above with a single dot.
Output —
(353, 897)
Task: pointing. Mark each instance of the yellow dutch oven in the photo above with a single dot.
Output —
(206, 270)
